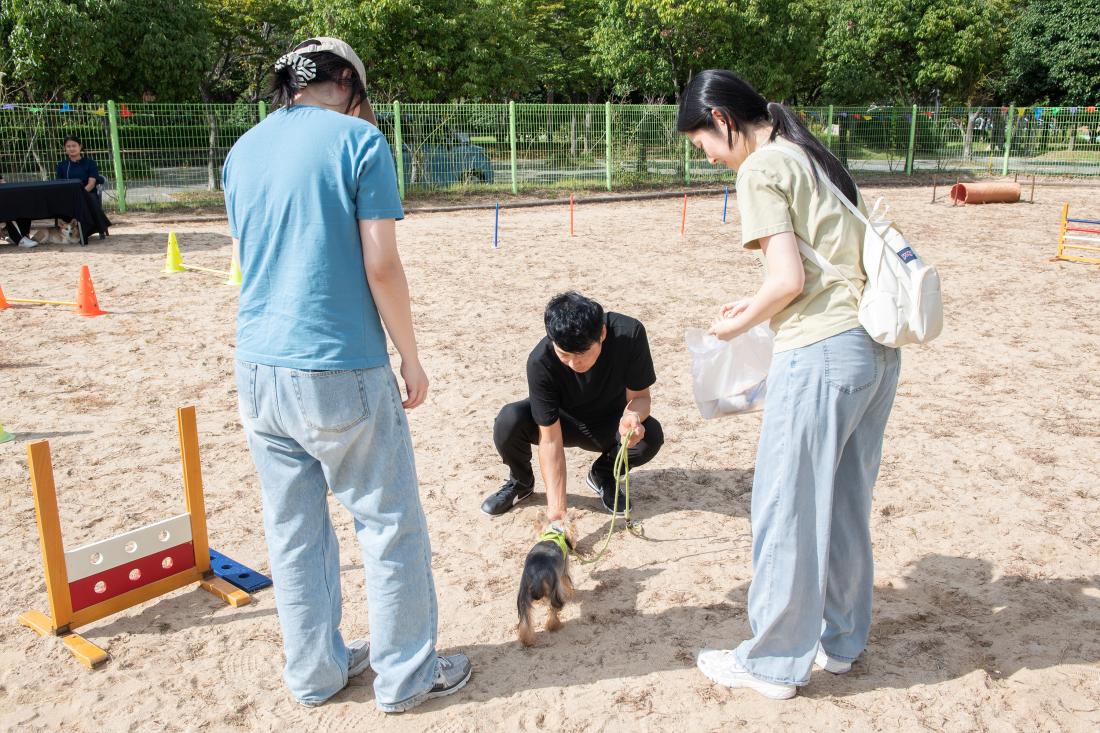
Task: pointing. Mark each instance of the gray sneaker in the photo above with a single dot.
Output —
(358, 657)
(358, 663)
(451, 675)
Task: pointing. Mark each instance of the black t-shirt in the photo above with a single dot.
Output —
(600, 393)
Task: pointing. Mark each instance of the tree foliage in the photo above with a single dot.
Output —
(802, 51)
(1054, 55)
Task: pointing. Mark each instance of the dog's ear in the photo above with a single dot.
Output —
(570, 523)
(540, 521)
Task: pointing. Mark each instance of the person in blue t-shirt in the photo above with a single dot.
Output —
(322, 285)
(79, 167)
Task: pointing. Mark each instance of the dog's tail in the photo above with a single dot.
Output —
(531, 590)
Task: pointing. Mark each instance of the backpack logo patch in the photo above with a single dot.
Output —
(907, 255)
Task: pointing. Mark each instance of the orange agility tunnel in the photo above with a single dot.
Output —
(994, 192)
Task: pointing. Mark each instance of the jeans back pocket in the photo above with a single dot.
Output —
(853, 362)
(245, 375)
(332, 401)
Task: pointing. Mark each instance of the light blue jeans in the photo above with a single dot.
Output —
(819, 453)
(342, 431)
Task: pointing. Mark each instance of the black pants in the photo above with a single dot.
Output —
(18, 229)
(515, 431)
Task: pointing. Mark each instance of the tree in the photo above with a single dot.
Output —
(907, 50)
(1055, 53)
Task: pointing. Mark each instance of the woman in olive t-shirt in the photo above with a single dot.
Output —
(830, 391)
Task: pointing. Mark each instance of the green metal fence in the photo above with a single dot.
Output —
(173, 153)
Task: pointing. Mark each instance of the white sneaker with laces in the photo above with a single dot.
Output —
(27, 243)
(721, 666)
(831, 665)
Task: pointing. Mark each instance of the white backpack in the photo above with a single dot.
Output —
(900, 303)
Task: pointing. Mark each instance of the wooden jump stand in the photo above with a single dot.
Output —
(99, 579)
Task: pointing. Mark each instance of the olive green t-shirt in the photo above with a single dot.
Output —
(775, 194)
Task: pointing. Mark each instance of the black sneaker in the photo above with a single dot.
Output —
(512, 493)
(604, 486)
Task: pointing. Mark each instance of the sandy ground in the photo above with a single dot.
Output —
(986, 520)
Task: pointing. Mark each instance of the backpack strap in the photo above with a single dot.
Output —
(805, 160)
(809, 252)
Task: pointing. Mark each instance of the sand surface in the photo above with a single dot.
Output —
(986, 520)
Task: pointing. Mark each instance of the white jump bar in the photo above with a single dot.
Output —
(106, 554)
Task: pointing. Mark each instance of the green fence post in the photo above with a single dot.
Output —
(512, 142)
(261, 108)
(687, 160)
(912, 140)
(829, 130)
(399, 149)
(1009, 129)
(116, 156)
(607, 140)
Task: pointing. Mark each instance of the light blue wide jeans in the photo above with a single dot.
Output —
(819, 453)
(345, 432)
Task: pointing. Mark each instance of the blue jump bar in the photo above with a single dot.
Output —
(1084, 221)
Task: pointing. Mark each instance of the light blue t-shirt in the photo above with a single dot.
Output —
(295, 186)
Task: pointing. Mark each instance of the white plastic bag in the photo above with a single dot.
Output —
(730, 377)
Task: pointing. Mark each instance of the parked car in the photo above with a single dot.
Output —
(433, 154)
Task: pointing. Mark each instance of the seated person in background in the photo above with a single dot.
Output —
(19, 231)
(77, 166)
(588, 387)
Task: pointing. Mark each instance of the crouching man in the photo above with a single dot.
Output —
(588, 387)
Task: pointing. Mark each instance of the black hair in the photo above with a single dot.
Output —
(573, 322)
(330, 67)
(717, 92)
(72, 138)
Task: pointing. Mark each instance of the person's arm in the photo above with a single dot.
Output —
(58, 172)
(552, 467)
(637, 410)
(390, 289)
(783, 283)
(93, 175)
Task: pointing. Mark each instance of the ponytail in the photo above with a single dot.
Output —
(723, 94)
(786, 123)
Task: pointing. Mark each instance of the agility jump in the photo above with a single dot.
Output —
(1071, 233)
(99, 579)
(173, 263)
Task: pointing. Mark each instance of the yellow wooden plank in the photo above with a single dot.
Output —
(225, 590)
(39, 622)
(192, 485)
(90, 655)
(49, 532)
(131, 598)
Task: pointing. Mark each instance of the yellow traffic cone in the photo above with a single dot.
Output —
(5, 436)
(173, 262)
(235, 277)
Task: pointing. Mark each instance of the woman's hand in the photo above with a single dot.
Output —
(727, 328)
(90, 185)
(734, 309)
(416, 383)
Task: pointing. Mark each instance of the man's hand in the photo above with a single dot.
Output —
(416, 383)
(631, 422)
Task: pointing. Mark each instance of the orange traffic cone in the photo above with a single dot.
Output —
(86, 303)
(3, 301)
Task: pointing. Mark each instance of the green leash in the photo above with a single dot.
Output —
(621, 472)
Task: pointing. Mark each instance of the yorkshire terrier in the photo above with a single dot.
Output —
(546, 575)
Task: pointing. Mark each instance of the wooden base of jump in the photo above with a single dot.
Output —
(99, 579)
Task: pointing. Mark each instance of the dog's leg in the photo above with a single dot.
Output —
(553, 622)
(567, 586)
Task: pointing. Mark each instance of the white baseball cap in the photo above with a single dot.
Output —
(335, 46)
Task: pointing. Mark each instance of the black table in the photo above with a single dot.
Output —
(60, 199)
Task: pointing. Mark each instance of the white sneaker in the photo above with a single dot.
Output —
(27, 243)
(831, 665)
(721, 666)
